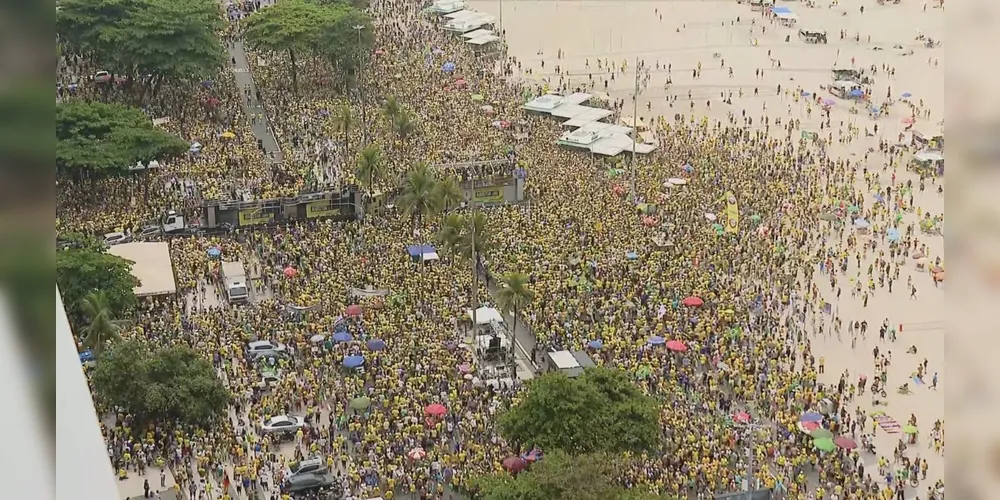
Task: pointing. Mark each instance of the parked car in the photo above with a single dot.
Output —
(283, 424)
(266, 348)
(306, 483)
(116, 238)
(315, 465)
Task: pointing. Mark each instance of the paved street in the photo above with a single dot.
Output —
(131, 488)
(253, 107)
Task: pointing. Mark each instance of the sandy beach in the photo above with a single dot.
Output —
(673, 38)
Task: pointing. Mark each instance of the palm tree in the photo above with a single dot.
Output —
(514, 295)
(391, 109)
(449, 192)
(370, 166)
(467, 237)
(343, 123)
(104, 326)
(452, 229)
(417, 199)
(404, 124)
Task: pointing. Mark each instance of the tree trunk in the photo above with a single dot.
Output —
(295, 72)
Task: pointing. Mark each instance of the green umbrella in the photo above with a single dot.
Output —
(821, 434)
(717, 227)
(824, 444)
(643, 371)
(477, 97)
(853, 209)
(755, 218)
(360, 403)
(910, 429)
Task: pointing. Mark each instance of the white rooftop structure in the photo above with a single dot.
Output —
(591, 133)
(589, 115)
(485, 315)
(462, 14)
(469, 23)
(564, 360)
(483, 40)
(446, 6)
(152, 266)
(478, 33)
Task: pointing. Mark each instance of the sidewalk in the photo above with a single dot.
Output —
(243, 76)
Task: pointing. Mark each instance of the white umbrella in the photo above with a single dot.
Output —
(416, 454)
(710, 216)
(677, 181)
(315, 339)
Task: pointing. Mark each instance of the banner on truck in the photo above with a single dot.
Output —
(321, 208)
(488, 195)
(254, 217)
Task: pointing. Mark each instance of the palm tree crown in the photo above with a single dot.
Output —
(417, 199)
(449, 192)
(514, 294)
(370, 166)
(104, 326)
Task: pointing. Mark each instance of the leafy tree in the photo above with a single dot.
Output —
(391, 109)
(170, 384)
(370, 166)
(97, 139)
(103, 326)
(81, 271)
(346, 36)
(290, 26)
(559, 476)
(599, 411)
(165, 39)
(514, 295)
(449, 192)
(417, 199)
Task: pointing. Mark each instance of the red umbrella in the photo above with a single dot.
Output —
(693, 301)
(742, 417)
(459, 83)
(353, 310)
(514, 464)
(676, 345)
(290, 272)
(379, 52)
(909, 120)
(845, 442)
(435, 410)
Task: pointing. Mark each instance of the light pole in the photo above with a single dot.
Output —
(635, 126)
(361, 87)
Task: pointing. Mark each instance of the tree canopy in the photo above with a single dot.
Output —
(169, 384)
(80, 271)
(599, 411)
(159, 38)
(559, 476)
(100, 139)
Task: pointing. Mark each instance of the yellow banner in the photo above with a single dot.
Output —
(321, 208)
(732, 213)
(254, 217)
(488, 195)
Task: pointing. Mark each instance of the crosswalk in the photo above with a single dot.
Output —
(238, 69)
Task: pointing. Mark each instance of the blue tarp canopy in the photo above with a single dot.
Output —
(781, 10)
(416, 251)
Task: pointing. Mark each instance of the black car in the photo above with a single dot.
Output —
(304, 483)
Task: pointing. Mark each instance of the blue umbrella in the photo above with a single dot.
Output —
(353, 361)
(656, 340)
(207, 84)
(892, 234)
(87, 355)
(631, 256)
(214, 252)
(829, 102)
(861, 223)
(855, 93)
(448, 67)
(376, 344)
(688, 168)
(342, 337)
(806, 94)
(907, 94)
(811, 417)
(874, 109)
(595, 344)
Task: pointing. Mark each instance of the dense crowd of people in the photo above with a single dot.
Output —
(603, 267)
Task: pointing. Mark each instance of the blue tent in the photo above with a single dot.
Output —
(416, 251)
(376, 344)
(342, 337)
(353, 361)
(781, 10)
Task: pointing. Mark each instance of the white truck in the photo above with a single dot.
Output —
(234, 280)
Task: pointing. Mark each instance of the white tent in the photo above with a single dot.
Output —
(484, 315)
(152, 266)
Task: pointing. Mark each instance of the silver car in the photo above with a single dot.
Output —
(266, 348)
(283, 424)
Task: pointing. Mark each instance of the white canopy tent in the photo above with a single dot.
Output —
(152, 266)
(484, 315)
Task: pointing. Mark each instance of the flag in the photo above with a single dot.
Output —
(732, 213)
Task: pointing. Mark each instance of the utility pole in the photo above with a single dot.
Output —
(635, 126)
(361, 85)
(751, 428)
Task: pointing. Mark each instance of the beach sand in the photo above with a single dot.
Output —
(689, 33)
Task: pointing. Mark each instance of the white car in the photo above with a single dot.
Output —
(266, 348)
(283, 424)
(116, 238)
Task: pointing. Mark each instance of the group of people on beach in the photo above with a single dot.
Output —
(605, 265)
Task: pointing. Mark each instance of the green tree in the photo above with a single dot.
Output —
(559, 476)
(345, 37)
(513, 296)
(169, 384)
(599, 411)
(103, 326)
(391, 109)
(404, 124)
(370, 167)
(449, 191)
(96, 139)
(417, 199)
(80, 272)
(289, 26)
(82, 25)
